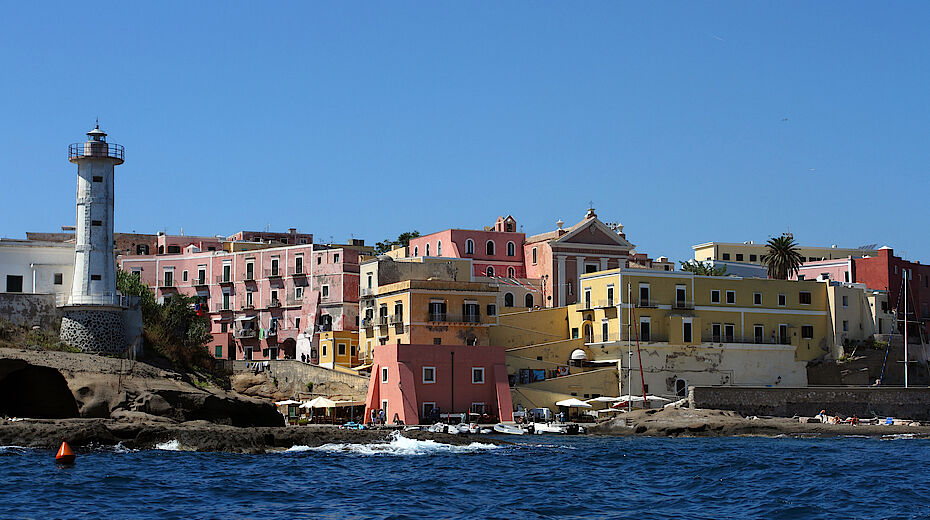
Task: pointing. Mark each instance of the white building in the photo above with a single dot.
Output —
(36, 267)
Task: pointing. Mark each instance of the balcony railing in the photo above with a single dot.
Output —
(250, 276)
(445, 317)
(96, 149)
(224, 279)
(297, 271)
(166, 282)
(643, 302)
(293, 302)
(246, 333)
(274, 273)
(367, 291)
(682, 304)
(606, 303)
(600, 338)
(115, 300)
(197, 281)
(382, 321)
(273, 304)
(752, 340)
(396, 318)
(221, 307)
(248, 306)
(368, 322)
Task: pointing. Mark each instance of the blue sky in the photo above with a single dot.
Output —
(686, 121)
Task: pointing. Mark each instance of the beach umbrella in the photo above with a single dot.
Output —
(286, 403)
(319, 402)
(573, 403)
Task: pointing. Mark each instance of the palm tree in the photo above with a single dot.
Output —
(782, 258)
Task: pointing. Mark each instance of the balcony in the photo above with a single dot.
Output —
(396, 318)
(297, 271)
(222, 307)
(382, 321)
(274, 272)
(367, 291)
(200, 281)
(246, 333)
(682, 304)
(249, 276)
(368, 323)
(647, 303)
(293, 302)
(166, 282)
(445, 317)
(274, 304)
(727, 338)
(248, 306)
(604, 304)
(224, 279)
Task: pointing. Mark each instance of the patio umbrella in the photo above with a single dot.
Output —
(319, 402)
(604, 399)
(286, 403)
(573, 403)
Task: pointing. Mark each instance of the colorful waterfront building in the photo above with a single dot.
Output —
(338, 348)
(495, 251)
(751, 252)
(883, 271)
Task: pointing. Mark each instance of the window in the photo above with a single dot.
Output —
(681, 388)
(587, 298)
(218, 351)
(729, 331)
(610, 295)
(369, 281)
(336, 258)
(477, 375)
(739, 257)
(169, 278)
(341, 349)
(298, 264)
(416, 251)
(804, 298)
(142, 249)
(845, 301)
(59, 279)
(298, 293)
(183, 276)
(429, 375)
(96, 222)
(715, 332)
(274, 267)
(439, 248)
(511, 249)
(384, 374)
(782, 300)
(757, 298)
(534, 256)
(428, 409)
(731, 296)
(492, 309)
(324, 291)
(98, 178)
(469, 247)
(249, 271)
(490, 271)
(227, 272)
(511, 272)
(427, 249)
(353, 350)
(528, 300)
(681, 296)
(686, 331)
(726, 256)
(297, 322)
(489, 248)
(753, 258)
(605, 331)
(574, 332)
(845, 325)
(14, 283)
(783, 334)
(319, 260)
(758, 333)
(715, 296)
(644, 294)
(807, 331)
(644, 329)
(224, 327)
(437, 341)
(248, 299)
(274, 296)
(172, 249)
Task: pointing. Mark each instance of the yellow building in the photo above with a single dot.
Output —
(751, 253)
(339, 348)
(439, 312)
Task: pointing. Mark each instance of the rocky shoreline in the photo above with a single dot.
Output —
(196, 435)
(686, 422)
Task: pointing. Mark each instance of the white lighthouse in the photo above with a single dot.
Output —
(95, 319)
(94, 266)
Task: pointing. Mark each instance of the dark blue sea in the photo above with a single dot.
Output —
(538, 477)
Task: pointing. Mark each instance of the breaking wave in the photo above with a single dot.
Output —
(398, 445)
(172, 445)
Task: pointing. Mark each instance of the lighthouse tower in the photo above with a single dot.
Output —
(92, 317)
(94, 267)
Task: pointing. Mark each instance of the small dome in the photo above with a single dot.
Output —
(579, 355)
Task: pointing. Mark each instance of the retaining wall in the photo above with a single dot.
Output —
(290, 370)
(911, 403)
(30, 310)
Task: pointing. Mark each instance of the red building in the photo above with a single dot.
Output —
(413, 380)
(495, 251)
(887, 272)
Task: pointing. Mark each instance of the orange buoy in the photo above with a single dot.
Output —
(65, 455)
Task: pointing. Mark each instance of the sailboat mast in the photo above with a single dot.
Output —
(905, 273)
(629, 348)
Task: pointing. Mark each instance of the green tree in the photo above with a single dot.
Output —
(703, 269)
(781, 258)
(403, 239)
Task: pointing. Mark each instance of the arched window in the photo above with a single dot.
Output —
(528, 299)
(511, 272)
(427, 249)
(490, 271)
(508, 300)
(588, 333)
(681, 388)
(439, 248)
(469, 247)
(416, 251)
(511, 249)
(490, 248)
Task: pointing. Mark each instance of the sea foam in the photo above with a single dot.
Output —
(398, 445)
(172, 445)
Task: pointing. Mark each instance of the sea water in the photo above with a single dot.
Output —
(536, 477)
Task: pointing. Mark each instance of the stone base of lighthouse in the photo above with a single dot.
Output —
(94, 329)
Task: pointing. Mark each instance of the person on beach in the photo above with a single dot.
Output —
(381, 416)
(372, 418)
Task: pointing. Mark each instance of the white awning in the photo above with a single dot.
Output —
(579, 355)
(573, 403)
(286, 403)
(319, 402)
(245, 318)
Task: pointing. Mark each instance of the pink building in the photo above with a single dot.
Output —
(258, 300)
(292, 237)
(335, 288)
(495, 251)
(410, 381)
